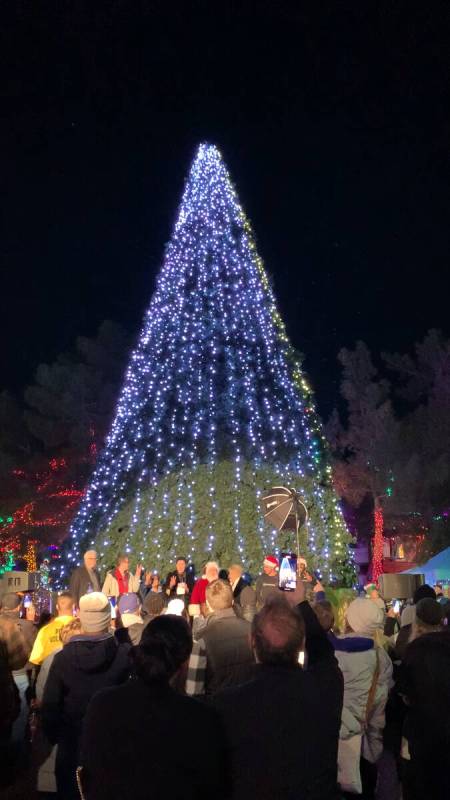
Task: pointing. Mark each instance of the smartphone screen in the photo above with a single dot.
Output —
(396, 606)
(287, 576)
(27, 601)
(112, 601)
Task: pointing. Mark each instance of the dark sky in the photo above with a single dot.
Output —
(332, 117)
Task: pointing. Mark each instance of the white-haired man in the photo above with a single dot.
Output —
(198, 597)
(86, 578)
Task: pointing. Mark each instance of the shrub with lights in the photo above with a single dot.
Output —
(214, 409)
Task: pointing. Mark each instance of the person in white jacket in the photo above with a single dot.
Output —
(120, 581)
(367, 680)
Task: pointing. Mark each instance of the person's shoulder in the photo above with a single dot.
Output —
(239, 622)
(197, 709)
(111, 695)
(231, 698)
(58, 659)
(45, 630)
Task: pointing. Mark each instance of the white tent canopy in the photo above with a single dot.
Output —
(435, 570)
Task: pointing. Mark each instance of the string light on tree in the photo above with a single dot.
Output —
(378, 541)
(214, 408)
(30, 555)
(8, 563)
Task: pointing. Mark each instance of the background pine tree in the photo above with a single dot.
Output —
(214, 409)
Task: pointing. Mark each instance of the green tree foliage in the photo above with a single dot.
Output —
(66, 414)
(214, 521)
(396, 442)
(72, 399)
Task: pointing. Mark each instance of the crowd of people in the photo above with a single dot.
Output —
(139, 686)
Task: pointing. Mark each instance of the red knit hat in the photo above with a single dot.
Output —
(271, 561)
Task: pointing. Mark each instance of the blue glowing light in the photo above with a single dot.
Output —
(213, 377)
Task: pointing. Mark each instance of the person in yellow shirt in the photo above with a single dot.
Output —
(47, 640)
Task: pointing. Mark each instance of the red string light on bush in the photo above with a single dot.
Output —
(377, 555)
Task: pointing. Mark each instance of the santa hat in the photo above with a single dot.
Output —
(271, 561)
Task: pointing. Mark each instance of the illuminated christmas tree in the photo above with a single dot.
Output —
(214, 409)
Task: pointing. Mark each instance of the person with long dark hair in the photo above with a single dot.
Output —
(145, 735)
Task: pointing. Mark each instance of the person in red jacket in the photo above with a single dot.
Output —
(198, 596)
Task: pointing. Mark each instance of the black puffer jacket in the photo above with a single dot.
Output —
(85, 665)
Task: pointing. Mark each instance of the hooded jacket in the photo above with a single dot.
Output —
(86, 664)
(358, 668)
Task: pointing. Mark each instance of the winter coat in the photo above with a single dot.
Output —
(111, 584)
(131, 630)
(266, 585)
(222, 657)
(424, 682)
(42, 677)
(80, 581)
(156, 743)
(401, 642)
(86, 664)
(282, 732)
(9, 698)
(358, 669)
(244, 600)
(229, 658)
(29, 632)
(15, 644)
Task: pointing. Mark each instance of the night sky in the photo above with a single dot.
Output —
(333, 119)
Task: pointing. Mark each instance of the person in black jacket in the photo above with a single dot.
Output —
(86, 578)
(425, 686)
(89, 662)
(421, 593)
(282, 727)
(143, 739)
(181, 581)
(244, 595)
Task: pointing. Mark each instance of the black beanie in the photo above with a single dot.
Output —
(429, 611)
(422, 592)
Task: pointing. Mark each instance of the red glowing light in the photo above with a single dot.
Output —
(377, 556)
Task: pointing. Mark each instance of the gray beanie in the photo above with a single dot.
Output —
(95, 612)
